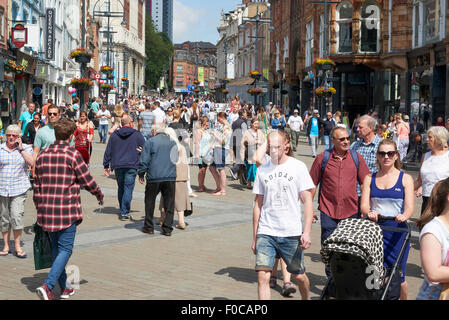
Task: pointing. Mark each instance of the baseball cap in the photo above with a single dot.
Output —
(315, 111)
(406, 117)
(295, 111)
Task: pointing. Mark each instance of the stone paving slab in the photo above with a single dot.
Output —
(211, 259)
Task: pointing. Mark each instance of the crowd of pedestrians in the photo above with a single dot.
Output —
(157, 139)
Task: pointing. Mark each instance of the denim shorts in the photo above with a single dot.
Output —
(288, 248)
(220, 158)
(428, 292)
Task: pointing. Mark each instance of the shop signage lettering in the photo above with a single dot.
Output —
(50, 36)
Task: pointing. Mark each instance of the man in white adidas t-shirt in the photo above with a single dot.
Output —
(281, 182)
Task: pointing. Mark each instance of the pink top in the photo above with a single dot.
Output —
(404, 132)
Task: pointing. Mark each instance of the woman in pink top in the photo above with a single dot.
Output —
(403, 130)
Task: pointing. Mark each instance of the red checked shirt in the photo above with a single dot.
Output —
(60, 174)
(339, 198)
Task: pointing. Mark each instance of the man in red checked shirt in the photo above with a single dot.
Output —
(60, 174)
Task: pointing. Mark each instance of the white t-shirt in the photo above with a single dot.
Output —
(433, 169)
(281, 185)
(232, 117)
(295, 123)
(439, 230)
(103, 119)
(159, 114)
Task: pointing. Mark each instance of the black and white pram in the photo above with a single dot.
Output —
(354, 253)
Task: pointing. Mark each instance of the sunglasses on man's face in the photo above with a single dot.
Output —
(52, 113)
(390, 154)
(343, 139)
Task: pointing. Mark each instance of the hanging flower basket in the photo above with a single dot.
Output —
(324, 63)
(255, 74)
(12, 66)
(81, 83)
(110, 76)
(106, 69)
(124, 79)
(80, 55)
(227, 80)
(107, 87)
(255, 91)
(224, 91)
(325, 91)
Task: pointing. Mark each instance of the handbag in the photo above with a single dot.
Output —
(42, 248)
(189, 212)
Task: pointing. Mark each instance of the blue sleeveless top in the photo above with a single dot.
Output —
(388, 202)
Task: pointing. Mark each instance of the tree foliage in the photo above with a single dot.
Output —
(159, 50)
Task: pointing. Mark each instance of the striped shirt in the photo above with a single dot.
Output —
(14, 178)
(60, 174)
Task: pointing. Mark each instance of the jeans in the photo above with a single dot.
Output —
(62, 245)
(126, 179)
(327, 143)
(314, 143)
(167, 189)
(103, 132)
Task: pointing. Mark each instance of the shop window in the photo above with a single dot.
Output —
(370, 26)
(344, 23)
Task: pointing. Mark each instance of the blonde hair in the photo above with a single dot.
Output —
(441, 135)
(118, 110)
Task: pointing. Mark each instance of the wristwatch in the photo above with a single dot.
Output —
(20, 150)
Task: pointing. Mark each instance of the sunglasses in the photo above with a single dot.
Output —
(343, 139)
(53, 113)
(390, 154)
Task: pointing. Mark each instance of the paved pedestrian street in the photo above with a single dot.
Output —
(210, 260)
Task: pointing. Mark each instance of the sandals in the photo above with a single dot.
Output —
(20, 254)
(288, 289)
(181, 226)
(4, 253)
(273, 280)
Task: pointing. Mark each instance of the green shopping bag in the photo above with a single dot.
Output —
(42, 248)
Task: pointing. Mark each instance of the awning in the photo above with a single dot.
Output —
(241, 82)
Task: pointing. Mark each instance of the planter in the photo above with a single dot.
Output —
(83, 59)
(326, 66)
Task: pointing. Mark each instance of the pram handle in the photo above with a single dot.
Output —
(381, 218)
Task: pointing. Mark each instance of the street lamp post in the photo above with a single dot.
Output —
(257, 19)
(325, 72)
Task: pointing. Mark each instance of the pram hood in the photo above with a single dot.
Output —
(359, 237)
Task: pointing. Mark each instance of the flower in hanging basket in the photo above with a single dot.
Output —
(227, 80)
(79, 52)
(196, 82)
(110, 76)
(255, 74)
(124, 79)
(106, 69)
(320, 62)
(86, 82)
(21, 68)
(107, 86)
(255, 91)
(321, 91)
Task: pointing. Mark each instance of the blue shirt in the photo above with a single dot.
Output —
(26, 118)
(314, 131)
(277, 123)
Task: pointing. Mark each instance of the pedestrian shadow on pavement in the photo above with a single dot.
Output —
(239, 187)
(239, 274)
(32, 283)
(414, 270)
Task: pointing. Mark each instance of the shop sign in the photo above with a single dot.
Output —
(26, 60)
(19, 35)
(50, 34)
(42, 70)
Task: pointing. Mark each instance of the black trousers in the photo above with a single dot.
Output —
(167, 189)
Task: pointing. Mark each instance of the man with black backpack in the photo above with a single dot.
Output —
(337, 171)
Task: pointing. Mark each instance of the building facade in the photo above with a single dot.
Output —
(194, 61)
(388, 54)
(161, 12)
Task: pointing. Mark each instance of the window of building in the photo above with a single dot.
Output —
(344, 25)
(431, 21)
(277, 55)
(309, 44)
(179, 68)
(2, 23)
(370, 26)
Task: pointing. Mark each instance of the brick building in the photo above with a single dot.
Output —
(388, 54)
(190, 60)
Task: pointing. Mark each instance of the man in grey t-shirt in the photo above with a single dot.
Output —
(147, 119)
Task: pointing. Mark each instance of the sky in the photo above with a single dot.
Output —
(197, 20)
